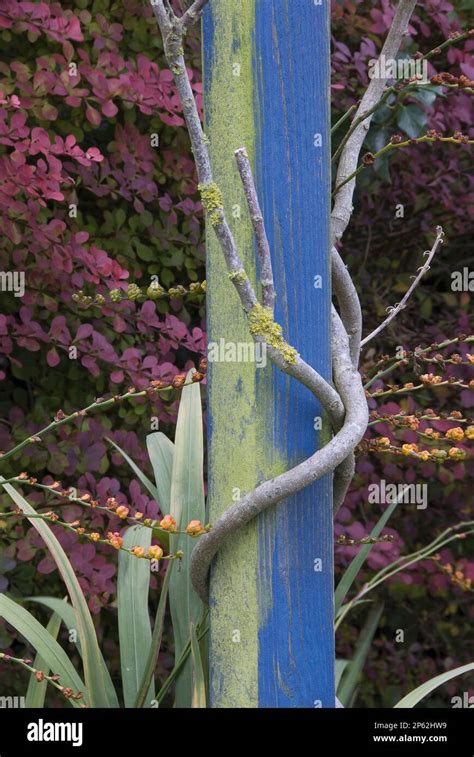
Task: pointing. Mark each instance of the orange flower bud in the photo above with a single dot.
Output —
(195, 528)
(155, 552)
(168, 523)
(115, 539)
(457, 434)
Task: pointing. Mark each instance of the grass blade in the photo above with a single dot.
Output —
(352, 570)
(187, 503)
(36, 692)
(61, 608)
(351, 674)
(156, 493)
(161, 454)
(46, 646)
(415, 696)
(341, 665)
(133, 586)
(97, 677)
(199, 681)
(148, 673)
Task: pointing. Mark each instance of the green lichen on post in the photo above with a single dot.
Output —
(238, 276)
(238, 445)
(261, 323)
(211, 197)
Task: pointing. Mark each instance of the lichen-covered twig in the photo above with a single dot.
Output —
(394, 311)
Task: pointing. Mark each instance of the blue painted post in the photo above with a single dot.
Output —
(266, 70)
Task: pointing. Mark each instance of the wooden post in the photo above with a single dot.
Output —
(266, 71)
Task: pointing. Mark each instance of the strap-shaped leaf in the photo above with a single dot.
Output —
(47, 647)
(187, 503)
(97, 677)
(133, 617)
(415, 696)
(36, 692)
(199, 681)
(61, 608)
(352, 672)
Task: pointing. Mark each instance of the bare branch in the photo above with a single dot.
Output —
(263, 248)
(349, 305)
(193, 13)
(342, 209)
(394, 311)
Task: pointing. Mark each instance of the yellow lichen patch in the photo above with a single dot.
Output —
(261, 323)
(239, 275)
(211, 197)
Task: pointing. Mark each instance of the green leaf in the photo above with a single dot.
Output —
(161, 453)
(156, 492)
(145, 253)
(133, 586)
(415, 696)
(43, 642)
(36, 692)
(97, 677)
(61, 608)
(353, 569)
(340, 667)
(199, 681)
(140, 475)
(412, 120)
(351, 675)
(150, 666)
(187, 503)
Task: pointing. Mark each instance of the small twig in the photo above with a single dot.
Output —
(394, 311)
(102, 404)
(343, 118)
(417, 387)
(403, 361)
(193, 14)
(40, 675)
(370, 158)
(263, 248)
(401, 88)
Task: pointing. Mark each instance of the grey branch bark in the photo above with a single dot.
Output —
(342, 209)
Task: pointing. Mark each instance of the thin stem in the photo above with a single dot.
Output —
(98, 403)
(396, 146)
(421, 272)
(343, 118)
